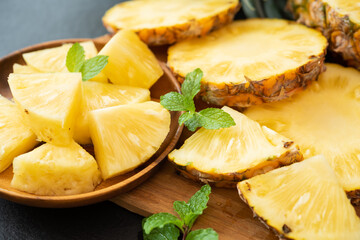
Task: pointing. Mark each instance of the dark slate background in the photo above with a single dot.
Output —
(27, 22)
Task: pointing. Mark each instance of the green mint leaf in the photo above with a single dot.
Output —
(215, 118)
(75, 58)
(184, 117)
(192, 84)
(203, 234)
(159, 220)
(173, 101)
(183, 209)
(168, 232)
(193, 123)
(93, 66)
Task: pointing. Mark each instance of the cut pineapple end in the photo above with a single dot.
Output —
(55, 171)
(99, 95)
(248, 50)
(311, 117)
(50, 112)
(126, 136)
(302, 201)
(130, 61)
(348, 8)
(235, 153)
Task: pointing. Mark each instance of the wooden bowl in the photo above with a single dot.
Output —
(111, 187)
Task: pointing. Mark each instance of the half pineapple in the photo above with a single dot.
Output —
(229, 155)
(50, 103)
(55, 171)
(253, 61)
(128, 135)
(324, 119)
(15, 137)
(302, 201)
(338, 20)
(101, 95)
(160, 22)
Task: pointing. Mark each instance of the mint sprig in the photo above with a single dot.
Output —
(210, 118)
(75, 62)
(166, 226)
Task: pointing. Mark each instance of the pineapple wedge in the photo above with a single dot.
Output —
(252, 61)
(50, 103)
(24, 69)
(15, 137)
(130, 61)
(101, 95)
(324, 119)
(55, 171)
(159, 22)
(128, 135)
(302, 201)
(229, 155)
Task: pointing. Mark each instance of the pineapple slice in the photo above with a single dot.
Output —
(130, 61)
(15, 137)
(324, 119)
(101, 95)
(55, 171)
(128, 135)
(159, 22)
(302, 201)
(50, 103)
(229, 155)
(253, 61)
(338, 20)
(24, 69)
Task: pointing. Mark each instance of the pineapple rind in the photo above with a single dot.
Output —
(126, 136)
(302, 201)
(153, 32)
(226, 156)
(227, 80)
(56, 171)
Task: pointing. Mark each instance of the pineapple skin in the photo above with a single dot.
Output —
(190, 29)
(341, 32)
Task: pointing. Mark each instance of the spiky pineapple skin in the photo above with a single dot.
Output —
(230, 180)
(342, 34)
(190, 29)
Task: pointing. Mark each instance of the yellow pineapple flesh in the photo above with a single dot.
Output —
(101, 95)
(128, 135)
(253, 61)
(15, 137)
(55, 171)
(302, 201)
(130, 61)
(160, 22)
(324, 119)
(24, 69)
(50, 102)
(229, 155)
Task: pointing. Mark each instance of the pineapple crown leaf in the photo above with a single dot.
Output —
(210, 118)
(166, 225)
(75, 62)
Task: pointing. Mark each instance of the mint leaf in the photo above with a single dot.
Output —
(183, 209)
(159, 220)
(184, 117)
(215, 118)
(173, 101)
(75, 58)
(93, 66)
(203, 234)
(193, 123)
(192, 84)
(168, 232)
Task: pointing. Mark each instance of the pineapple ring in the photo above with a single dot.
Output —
(253, 61)
(165, 22)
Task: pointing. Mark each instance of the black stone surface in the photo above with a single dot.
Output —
(24, 23)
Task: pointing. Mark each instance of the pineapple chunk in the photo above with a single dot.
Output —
(55, 171)
(15, 137)
(100, 95)
(24, 69)
(226, 156)
(128, 135)
(130, 61)
(302, 201)
(50, 102)
(324, 119)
